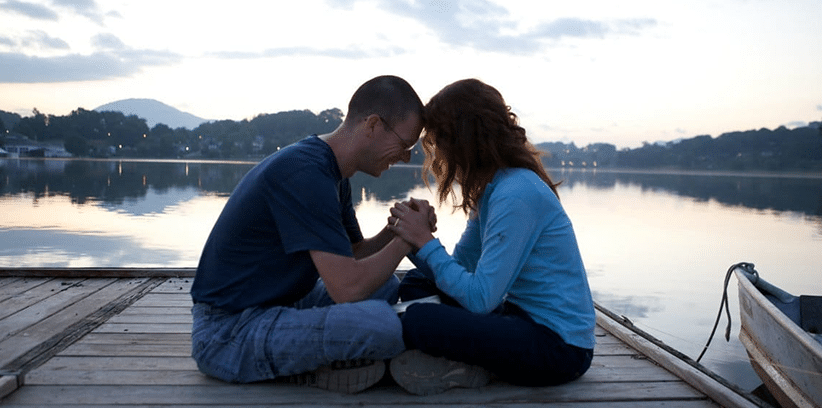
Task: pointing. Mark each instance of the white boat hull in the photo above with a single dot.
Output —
(786, 358)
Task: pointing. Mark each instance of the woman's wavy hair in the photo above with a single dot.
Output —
(470, 133)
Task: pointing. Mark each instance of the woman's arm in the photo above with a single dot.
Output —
(509, 231)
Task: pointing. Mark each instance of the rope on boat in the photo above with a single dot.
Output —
(748, 267)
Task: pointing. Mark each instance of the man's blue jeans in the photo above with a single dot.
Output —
(262, 343)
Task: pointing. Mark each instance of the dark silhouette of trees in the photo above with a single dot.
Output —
(92, 133)
(781, 149)
(9, 121)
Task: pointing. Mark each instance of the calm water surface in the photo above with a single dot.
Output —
(656, 246)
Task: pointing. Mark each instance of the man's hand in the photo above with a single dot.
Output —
(413, 221)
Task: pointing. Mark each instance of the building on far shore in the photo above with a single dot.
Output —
(22, 147)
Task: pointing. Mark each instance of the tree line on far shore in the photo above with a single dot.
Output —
(86, 133)
(781, 149)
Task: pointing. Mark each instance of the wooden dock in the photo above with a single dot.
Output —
(97, 337)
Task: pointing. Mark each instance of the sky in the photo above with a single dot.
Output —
(588, 71)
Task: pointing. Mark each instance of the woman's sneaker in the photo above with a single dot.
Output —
(343, 376)
(422, 374)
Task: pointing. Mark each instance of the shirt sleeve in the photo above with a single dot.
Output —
(309, 215)
(506, 237)
(468, 249)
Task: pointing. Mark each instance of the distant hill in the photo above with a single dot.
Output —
(154, 112)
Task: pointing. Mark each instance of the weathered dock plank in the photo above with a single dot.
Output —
(18, 292)
(145, 368)
(96, 272)
(35, 306)
(40, 324)
(129, 339)
(279, 394)
(140, 357)
(41, 316)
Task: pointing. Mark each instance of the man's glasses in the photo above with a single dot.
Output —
(403, 143)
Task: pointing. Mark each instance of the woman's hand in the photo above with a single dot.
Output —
(417, 205)
(413, 221)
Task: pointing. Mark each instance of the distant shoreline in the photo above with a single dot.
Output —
(685, 172)
(551, 170)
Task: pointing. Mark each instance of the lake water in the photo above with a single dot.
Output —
(656, 246)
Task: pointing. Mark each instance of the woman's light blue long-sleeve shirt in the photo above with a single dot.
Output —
(519, 246)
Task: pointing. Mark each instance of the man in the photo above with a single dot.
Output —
(260, 311)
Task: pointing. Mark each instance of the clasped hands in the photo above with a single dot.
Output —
(414, 221)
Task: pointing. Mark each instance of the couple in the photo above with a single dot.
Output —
(288, 287)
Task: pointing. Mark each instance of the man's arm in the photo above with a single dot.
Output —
(371, 246)
(350, 280)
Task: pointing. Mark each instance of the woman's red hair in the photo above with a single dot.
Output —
(470, 134)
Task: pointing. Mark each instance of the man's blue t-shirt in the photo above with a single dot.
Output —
(293, 201)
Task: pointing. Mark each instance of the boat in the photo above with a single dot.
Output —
(782, 334)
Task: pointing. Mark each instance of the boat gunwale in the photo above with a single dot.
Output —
(784, 321)
(777, 377)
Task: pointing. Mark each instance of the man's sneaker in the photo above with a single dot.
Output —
(343, 376)
(422, 374)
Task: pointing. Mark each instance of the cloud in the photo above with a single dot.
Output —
(819, 107)
(796, 124)
(30, 10)
(341, 53)
(112, 59)
(41, 40)
(579, 28)
(85, 8)
(570, 27)
(478, 24)
(483, 25)
(19, 68)
(107, 42)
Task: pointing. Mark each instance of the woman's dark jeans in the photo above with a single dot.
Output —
(507, 341)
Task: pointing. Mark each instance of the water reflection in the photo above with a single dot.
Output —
(115, 182)
(26, 247)
(633, 305)
(802, 194)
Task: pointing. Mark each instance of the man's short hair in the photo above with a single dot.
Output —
(390, 97)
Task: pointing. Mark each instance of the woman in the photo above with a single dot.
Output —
(516, 301)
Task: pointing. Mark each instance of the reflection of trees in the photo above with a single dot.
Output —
(393, 183)
(797, 194)
(115, 181)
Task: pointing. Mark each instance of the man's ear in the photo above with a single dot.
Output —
(371, 122)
